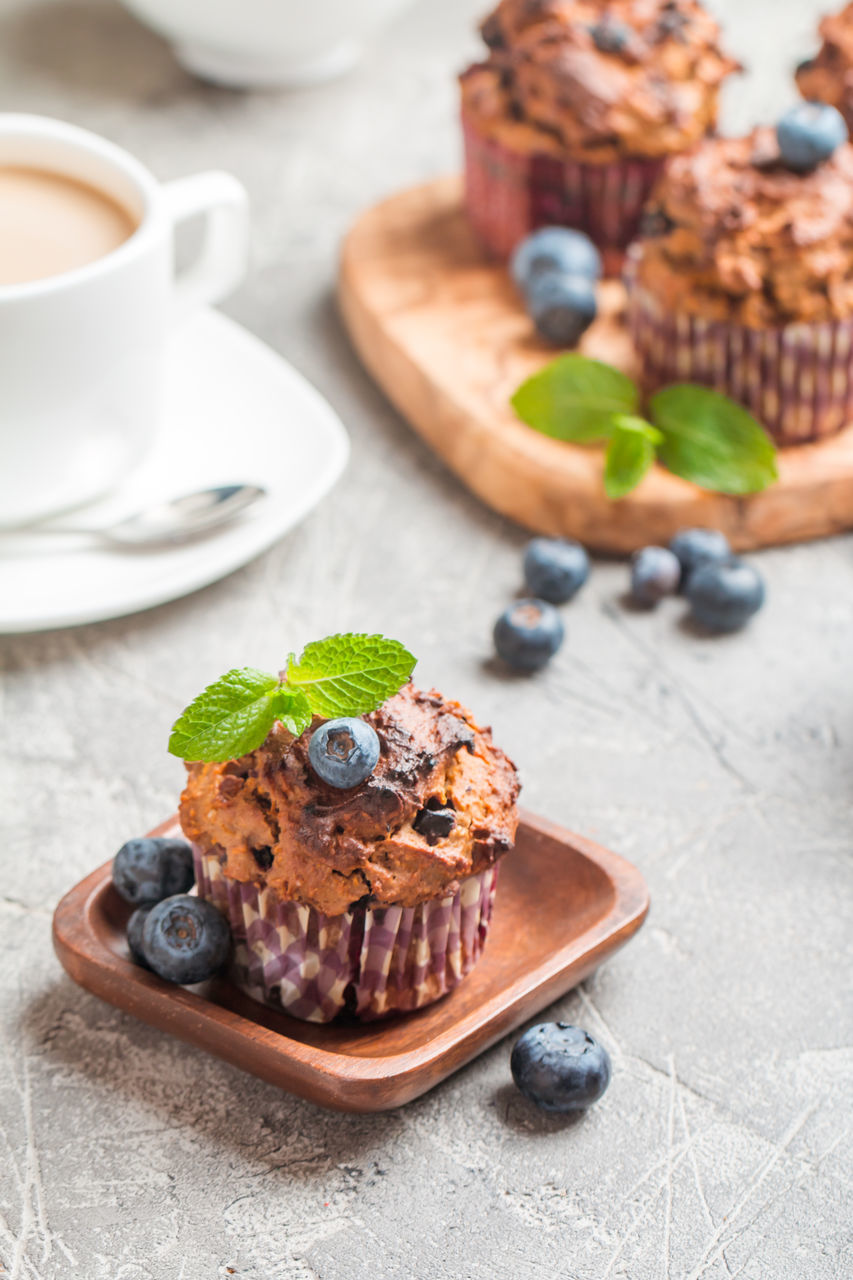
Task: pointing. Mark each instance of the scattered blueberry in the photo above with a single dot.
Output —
(610, 36)
(560, 249)
(555, 568)
(150, 868)
(695, 547)
(808, 134)
(655, 573)
(560, 1067)
(723, 597)
(344, 752)
(185, 939)
(528, 634)
(135, 926)
(562, 307)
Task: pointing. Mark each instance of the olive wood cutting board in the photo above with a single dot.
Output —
(563, 905)
(441, 329)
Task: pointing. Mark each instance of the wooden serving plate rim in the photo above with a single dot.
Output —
(440, 328)
(337, 1079)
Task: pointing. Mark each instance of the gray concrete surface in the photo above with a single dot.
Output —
(724, 769)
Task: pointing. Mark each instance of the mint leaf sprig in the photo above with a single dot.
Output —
(343, 675)
(696, 433)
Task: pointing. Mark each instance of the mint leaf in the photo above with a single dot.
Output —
(349, 675)
(574, 398)
(699, 434)
(639, 426)
(230, 718)
(630, 453)
(346, 675)
(713, 442)
(291, 707)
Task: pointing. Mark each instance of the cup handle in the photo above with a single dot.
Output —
(221, 262)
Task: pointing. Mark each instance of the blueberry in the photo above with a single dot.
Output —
(551, 249)
(562, 307)
(135, 926)
(185, 939)
(344, 752)
(723, 597)
(528, 633)
(555, 568)
(560, 1067)
(808, 134)
(150, 868)
(655, 573)
(694, 547)
(610, 36)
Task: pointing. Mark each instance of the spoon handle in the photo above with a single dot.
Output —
(64, 529)
(168, 524)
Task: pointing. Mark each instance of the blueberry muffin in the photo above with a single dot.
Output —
(743, 281)
(370, 899)
(570, 117)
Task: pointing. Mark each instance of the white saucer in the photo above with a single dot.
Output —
(235, 413)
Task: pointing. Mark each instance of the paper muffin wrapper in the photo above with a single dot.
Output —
(797, 380)
(368, 961)
(510, 193)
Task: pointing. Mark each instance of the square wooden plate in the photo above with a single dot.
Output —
(563, 905)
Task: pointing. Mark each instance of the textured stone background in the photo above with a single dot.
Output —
(723, 768)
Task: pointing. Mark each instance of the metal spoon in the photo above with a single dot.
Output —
(172, 522)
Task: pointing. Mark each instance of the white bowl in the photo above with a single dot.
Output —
(256, 43)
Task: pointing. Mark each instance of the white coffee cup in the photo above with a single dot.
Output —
(82, 353)
(261, 43)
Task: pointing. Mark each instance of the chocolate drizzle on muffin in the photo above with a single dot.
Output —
(635, 78)
(738, 237)
(439, 806)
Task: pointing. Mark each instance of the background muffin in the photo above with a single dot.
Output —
(372, 899)
(744, 282)
(572, 115)
(828, 77)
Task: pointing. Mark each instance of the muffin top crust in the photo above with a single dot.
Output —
(731, 234)
(597, 79)
(828, 77)
(438, 807)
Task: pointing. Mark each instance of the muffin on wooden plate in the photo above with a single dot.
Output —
(828, 77)
(743, 280)
(369, 898)
(571, 116)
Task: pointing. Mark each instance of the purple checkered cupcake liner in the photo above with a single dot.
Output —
(797, 380)
(370, 962)
(510, 193)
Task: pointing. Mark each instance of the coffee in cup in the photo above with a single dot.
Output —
(51, 223)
